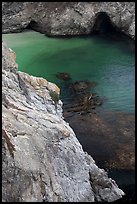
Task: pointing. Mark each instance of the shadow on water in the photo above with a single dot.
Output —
(124, 42)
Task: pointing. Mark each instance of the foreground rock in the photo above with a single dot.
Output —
(42, 160)
(69, 18)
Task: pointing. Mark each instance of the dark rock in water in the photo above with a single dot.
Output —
(84, 103)
(80, 86)
(82, 100)
(64, 76)
(97, 100)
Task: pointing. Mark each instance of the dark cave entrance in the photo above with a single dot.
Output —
(36, 26)
(103, 24)
(33, 25)
(104, 27)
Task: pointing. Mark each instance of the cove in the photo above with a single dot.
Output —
(110, 64)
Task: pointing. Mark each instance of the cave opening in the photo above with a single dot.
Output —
(104, 27)
(103, 24)
(33, 25)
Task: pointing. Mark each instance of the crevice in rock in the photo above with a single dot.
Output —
(92, 186)
(10, 146)
(23, 87)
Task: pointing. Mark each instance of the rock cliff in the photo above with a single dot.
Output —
(68, 18)
(42, 160)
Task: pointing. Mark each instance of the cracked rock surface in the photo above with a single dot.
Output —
(66, 18)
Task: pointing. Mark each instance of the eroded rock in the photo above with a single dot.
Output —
(66, 18)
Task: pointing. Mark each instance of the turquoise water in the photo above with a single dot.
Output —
(110, 64)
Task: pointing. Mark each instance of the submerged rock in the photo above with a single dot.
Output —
(82, 99)
(81, 86)
(42, 160)
(84, 104)
(63, 75)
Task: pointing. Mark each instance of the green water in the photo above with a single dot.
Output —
(110, 64)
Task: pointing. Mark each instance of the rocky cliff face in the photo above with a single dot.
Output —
(42, 160)
(67, 18)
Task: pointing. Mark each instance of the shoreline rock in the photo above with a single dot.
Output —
(67, 18)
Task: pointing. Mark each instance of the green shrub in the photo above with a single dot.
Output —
(54, 96)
